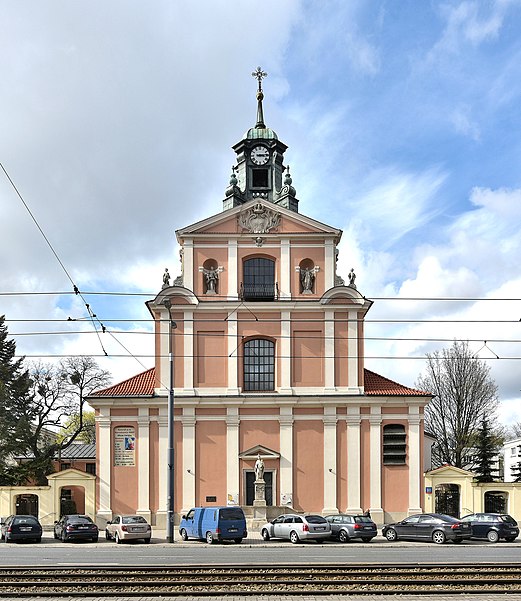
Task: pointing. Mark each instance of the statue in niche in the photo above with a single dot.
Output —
(211, 276)
(166, 278)
(259, 468)
(307, 278)
(352, 278)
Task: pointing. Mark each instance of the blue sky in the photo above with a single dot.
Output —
(403, 123)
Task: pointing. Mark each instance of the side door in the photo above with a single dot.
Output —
(190, 529)
(472, 520)
(280, 527)
(408, 528)
(425, 526)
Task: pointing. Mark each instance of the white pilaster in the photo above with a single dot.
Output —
(285, 269)
(104, 463)
(188, 421)
(162, 475)
(286, 455)
(413, 457)
(329, 265)
(330, 464)
(232, 455)
(353, 460)
(164, 367)
(285, 353)
(232, 270)
(188, 351)
(233, 354)
(143, 462)
(352, 349)
(375, 465)
(329, 361)
(188, 264)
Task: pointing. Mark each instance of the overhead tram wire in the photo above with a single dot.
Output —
(75, 288)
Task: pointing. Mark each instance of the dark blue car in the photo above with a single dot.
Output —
(492, 526)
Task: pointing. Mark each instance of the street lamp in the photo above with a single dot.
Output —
(170, 446)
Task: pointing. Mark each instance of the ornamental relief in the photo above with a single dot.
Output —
(259, 219)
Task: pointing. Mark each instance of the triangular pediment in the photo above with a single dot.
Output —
(446, 470)
(261, 450)
(71, 474)
(256, 218)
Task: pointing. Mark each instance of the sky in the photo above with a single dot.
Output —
(403, 122)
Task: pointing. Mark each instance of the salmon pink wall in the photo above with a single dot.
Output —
(154, 466)
(220, 256)
(211, 462)
(341, 349)
(308, 355)
(124, 482)
(265, 433)
(314, 254)
(395, 488)
(211, 362)
(308, 475)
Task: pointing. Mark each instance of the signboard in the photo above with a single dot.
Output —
(124, 446)
(428, 490)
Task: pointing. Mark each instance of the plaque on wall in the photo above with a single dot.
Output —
(124, 446)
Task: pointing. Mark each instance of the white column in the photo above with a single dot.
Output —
(143, 461)
(163, 443)
(330, 451)
(232, 455)
(233, 354)
(164, 366)
(353, 460)
(285, 353)
(286, 455)
(329, 265)
(188, 352)
(352, 349)
(375, 465)
(104, 445)
(329, 347)
(188, 264)
(413, 457)
(285, 269)
(232, 270)
(188, 421)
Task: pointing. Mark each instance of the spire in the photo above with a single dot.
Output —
(259, 75)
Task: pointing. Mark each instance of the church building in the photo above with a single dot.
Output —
(262, 343)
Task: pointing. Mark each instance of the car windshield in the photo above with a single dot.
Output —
(80, 519)
(362, 519)
(134, 519)
(231, 514)
(508, 519)
(26, 519)
(316, 519)
(445, 518)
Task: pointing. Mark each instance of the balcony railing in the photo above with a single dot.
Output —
(259, 292)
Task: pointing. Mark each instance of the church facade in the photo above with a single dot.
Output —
(266, 358)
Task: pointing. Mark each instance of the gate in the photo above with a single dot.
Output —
(447, 499)
(495, 502)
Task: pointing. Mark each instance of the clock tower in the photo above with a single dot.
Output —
(259, 172)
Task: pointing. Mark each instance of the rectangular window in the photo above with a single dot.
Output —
(64, 466)
(259, 178)
(90, 468)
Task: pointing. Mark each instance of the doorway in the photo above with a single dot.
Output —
(27, 505)
(250, 487)
(447, 499)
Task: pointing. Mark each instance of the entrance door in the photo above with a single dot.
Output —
(250, 487)
(447, 499)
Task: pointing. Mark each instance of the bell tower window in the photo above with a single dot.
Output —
(260, 178)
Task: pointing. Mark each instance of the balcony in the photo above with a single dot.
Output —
(259, 292)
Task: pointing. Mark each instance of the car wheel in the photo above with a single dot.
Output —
(107, 535)
(265, 534)
(293, 537)
(510, 539)
(209, 538)
(492, 536)
(64, 537)
(391, 535)
(117, 539)
(439, 537)
(184, 535)
(343, 537)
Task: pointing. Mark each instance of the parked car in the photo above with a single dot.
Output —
(295, 527)
(21, 527)
(128, 527)
(76, 527)
(346, 527)
(214, 524)
(492, 526)
(428, 526)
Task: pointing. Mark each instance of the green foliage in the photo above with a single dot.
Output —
(87, 431)
(486, 453)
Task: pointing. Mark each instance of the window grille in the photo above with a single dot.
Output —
(259, 365)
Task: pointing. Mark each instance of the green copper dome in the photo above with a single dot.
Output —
(260, 133)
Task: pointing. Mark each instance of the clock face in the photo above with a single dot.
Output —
(260, 155)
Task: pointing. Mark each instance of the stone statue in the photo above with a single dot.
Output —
(307, 277)
(211, 275)
(166, 278)
(352, 278)
(259, 468)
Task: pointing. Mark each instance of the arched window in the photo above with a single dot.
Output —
(259, 280)
(259, 364)
(395, 444)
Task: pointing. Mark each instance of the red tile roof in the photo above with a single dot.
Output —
(374, 384)
(143, 385)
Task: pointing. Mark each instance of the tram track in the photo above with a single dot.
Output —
(227, 580)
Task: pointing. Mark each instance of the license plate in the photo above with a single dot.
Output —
(232, 530)
(137, 529)
(83, 527)
(319, 528)
(26, 529)
(368, 527)
(513, 532)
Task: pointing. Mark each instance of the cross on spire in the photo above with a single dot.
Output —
(259, 74)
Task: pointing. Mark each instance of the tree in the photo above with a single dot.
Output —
(486, 453)
(464, 394)
(87, 432)
(57, 393)
(513, 430)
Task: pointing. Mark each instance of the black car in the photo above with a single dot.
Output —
(436, 527)
(21, 527)
(346, 527)
(76, 527)
(492, 526)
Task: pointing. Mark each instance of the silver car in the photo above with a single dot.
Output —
(296, 527)
(128, 527)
